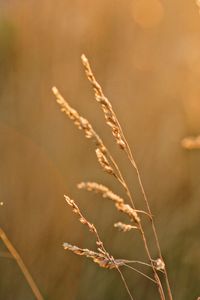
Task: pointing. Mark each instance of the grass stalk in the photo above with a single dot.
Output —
(21, 265)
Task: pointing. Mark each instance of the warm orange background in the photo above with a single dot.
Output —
(146, 55)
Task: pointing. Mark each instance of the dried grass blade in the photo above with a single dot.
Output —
(21, 265)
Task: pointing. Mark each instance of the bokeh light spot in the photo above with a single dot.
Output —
(147, 13)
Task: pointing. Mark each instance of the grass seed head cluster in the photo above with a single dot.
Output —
(101, 256)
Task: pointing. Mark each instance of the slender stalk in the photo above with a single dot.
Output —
(104, 156)
(119, 177)
(21, 265)
(112, 121)
(125, 284)
(141, 273)
(153, 226)
(123, 183)
(162, 294)
(130, 156)
(136, 262)
(160, 288)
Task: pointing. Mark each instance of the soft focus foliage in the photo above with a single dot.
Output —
(147, 58)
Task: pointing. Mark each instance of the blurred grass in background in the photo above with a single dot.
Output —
(146, 54)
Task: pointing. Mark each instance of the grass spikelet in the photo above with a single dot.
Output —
(79, 121)
(109, 114)
(128, 210)
(101, 189)
(159, 264)
(83, 124)
(90, 226)
(104, 163)
(99, 258)
(106, 193)
(124, 227)
(77, 211)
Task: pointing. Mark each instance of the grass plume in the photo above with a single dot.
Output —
(110, 166)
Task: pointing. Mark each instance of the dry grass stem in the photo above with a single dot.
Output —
(109, 165)
(113, 122)
(21, 265)
(102, 260)
(141, 273)
(137, 262)
(125, 284)
(102, 257)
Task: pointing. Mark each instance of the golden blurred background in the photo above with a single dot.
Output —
(146, 55)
